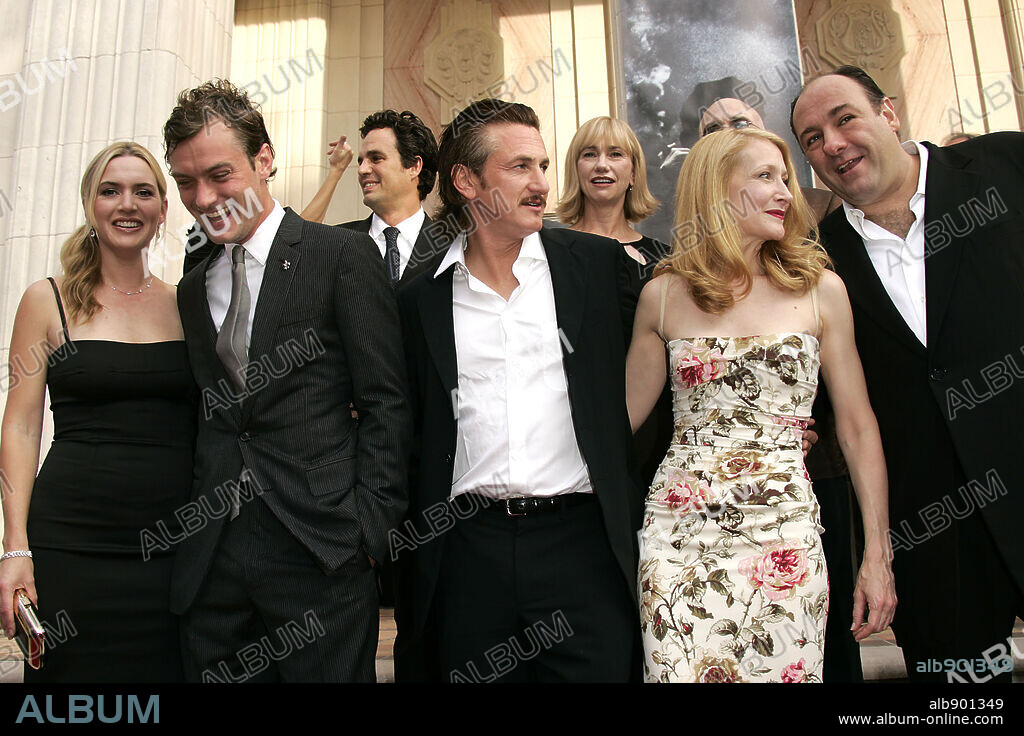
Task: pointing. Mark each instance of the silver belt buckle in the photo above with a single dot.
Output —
(508, 507)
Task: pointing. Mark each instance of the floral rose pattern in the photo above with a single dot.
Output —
(699, 366)
(794, 672)
(733, 585)
(780, 569)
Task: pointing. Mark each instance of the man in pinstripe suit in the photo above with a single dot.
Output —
(286, 322)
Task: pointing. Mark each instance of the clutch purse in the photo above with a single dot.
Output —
(29, 633)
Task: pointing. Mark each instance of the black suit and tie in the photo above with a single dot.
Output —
(950, 413)
(285, 590)
(429, 243)
(590, 550)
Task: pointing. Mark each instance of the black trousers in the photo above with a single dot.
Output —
(538, 598)
(267, 612)
(985, 602)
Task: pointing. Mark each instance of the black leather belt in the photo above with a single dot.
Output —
(524, 506)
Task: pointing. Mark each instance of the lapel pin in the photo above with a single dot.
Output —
(285, 265)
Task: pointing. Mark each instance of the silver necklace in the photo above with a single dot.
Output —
(133, 293)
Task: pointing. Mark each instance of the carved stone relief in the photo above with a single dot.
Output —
(465, 58)
(862, 32)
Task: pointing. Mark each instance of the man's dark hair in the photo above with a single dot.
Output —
(414, 140)
(858, 75)
(465, 141)
(220, 100)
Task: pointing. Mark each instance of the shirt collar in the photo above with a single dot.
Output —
(258, 246)
(531, 249)
(409, 227)
(856, 217)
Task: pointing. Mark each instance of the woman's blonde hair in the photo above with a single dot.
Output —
(706, 242)
(640, 203)
(80, 254)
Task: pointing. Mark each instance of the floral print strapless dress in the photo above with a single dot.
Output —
(733, 585)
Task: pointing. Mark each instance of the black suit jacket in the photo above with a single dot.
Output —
(594, 303)
(430, 242)
(326, 333)
(935, 406)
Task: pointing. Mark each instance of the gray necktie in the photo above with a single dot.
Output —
(231, 341)
(391, 255)
(231, 338)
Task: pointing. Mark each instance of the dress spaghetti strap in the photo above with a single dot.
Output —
(814, 304)
(60, 308)
(661, 315)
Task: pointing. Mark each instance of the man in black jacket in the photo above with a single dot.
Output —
(519, 551)
(928, 242)
(397, 169)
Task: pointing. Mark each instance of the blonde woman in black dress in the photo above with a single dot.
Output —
(606, 193)
(605, 190)
(106, 341)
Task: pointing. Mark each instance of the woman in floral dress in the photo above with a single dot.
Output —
(733, 585)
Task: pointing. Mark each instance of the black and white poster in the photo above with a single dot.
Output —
(679, 56)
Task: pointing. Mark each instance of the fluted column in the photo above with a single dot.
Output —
(74, 77)
(280, 57)
(1013, 25)
(90, 72)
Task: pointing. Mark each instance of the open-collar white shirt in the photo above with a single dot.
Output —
(898, 262)
(515, 432)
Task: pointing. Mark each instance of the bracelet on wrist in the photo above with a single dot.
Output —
(15, 553)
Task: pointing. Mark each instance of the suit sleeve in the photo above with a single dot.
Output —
(367, 315)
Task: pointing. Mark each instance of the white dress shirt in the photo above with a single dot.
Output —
(898, 262)
(218, 277)
(515, 429)
(408, 231)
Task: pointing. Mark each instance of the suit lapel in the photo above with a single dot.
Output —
(862, 283)
(278, 272)
(435, 311)
(195, 311)
(422, 253)
(567, 284)
(948, 189)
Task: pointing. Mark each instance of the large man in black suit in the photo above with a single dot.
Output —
(516, 344)
(397, 169)
(287, 323)
(928, 242)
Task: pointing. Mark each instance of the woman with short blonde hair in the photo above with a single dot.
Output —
(605, 187)
(605, 193)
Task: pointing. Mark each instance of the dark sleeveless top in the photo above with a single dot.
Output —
(124, 417)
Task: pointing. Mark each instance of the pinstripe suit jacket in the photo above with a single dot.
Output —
(325, 333)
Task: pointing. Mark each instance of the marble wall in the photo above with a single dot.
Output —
(948, 67)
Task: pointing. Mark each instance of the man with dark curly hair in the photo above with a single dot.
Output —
(397, 169)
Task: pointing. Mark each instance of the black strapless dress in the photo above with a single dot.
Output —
(124, 418)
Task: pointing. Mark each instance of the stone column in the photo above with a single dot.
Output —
(1013, 25)
(76, 76)
(88, 73)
